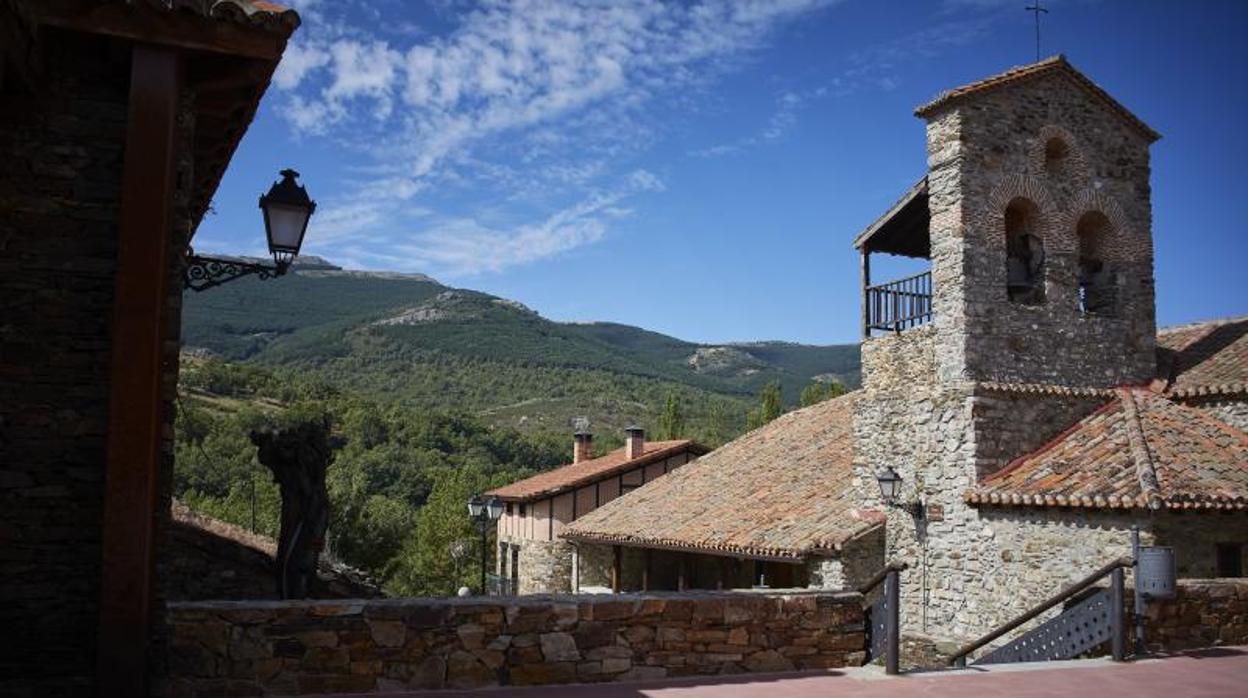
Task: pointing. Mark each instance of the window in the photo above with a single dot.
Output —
(1056, 153)
(1096, 280)
(523, 510)
(1024, 251)
(1230, 559)
(509, 508)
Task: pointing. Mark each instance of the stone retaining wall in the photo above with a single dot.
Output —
(1204, 613)
(244, 648)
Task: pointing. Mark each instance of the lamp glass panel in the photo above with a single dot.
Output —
(286, 226)
(475, 507)
(494, 507)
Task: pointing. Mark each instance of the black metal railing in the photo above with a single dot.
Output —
(1093, 620)
(497, 585)
(884, 618)
(899, 305)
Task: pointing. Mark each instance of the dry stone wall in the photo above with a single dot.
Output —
(246, 648)
(1203, 613)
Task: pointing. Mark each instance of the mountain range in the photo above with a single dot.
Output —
(409, 338)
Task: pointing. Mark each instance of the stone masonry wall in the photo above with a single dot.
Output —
(1013, 424)
(60, 184)
(1203, 613)
(245, 648)
(987, 566)
(545, 567)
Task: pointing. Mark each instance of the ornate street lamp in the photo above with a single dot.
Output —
(287, 209)
(890, 492)
(484, 510)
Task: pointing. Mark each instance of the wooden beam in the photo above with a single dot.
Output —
(135, 406)
(151, 25)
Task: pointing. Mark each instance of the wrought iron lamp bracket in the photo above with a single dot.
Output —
(203, 273)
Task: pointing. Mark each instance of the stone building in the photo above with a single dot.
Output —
(117, 120)
(1020, 387)
(532, 556)
(770, 508)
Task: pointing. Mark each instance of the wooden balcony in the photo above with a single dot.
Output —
(898, 305)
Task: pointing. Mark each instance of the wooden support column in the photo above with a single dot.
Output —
(645, 569)
(135, 407)
(866, 282)
(681, 572)
(615, 569)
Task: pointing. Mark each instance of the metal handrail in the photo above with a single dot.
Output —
(959, 659)
(902, 280)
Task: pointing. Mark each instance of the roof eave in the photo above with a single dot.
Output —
(1013, 76)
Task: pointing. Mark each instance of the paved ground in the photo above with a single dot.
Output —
(1213, 672)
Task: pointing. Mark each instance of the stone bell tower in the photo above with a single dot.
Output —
(1036, 219)
(1041, 231)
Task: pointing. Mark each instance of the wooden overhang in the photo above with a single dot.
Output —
(903, 229)
(229, 50)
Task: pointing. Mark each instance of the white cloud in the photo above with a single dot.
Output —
(298, 61)
(555, 93)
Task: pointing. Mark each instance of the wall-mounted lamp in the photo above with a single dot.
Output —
(890, 492)
(287, 209)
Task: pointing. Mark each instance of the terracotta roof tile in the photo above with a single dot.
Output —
(592, 470)
(1053, 64)
(1208, 358)
(1139, 450)
(781, 491)
(261, 14)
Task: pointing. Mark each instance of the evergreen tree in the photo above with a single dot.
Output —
(769, 405)
(818, 391)
(672, 421)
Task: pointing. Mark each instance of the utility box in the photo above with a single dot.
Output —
(1155, 572)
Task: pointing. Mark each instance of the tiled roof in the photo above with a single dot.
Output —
(1208, 358)
(577, 474)
(1053, 64)
(781, 491)
(260, 14)
(1139, 450)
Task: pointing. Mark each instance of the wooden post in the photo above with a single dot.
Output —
(865, 273)
(135, 417)
(1118, 641)
(892, 592)
(680, 578)
(645, 569)
(615, 569)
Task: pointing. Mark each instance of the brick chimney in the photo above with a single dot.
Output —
(582, 446)
(634, 442)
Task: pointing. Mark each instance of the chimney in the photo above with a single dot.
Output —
(634, 442)
(583, 446)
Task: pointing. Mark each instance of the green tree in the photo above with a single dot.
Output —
(770, 405)
(818, 391)
(672, 421)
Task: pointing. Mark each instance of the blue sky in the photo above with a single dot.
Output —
(700, 169)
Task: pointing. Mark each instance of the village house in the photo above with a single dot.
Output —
(771, 508)
(1018, 388)
(532, 556)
